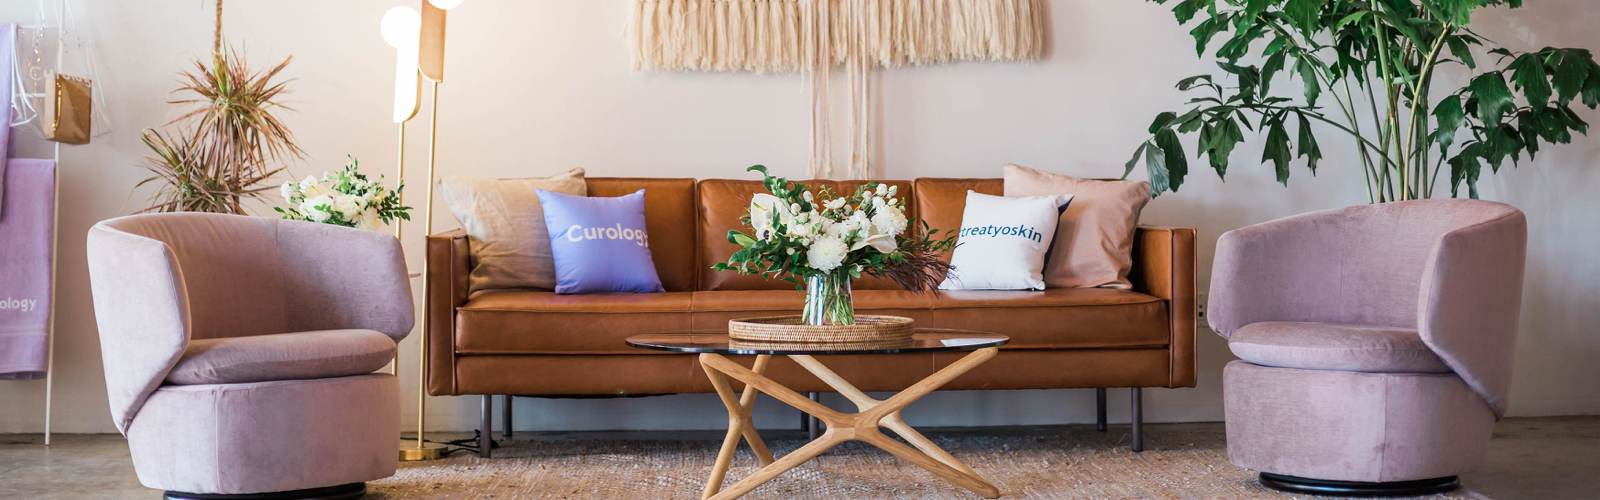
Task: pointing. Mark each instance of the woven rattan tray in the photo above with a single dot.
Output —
(792, 329)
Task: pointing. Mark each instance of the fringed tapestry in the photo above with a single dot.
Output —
(812, 37)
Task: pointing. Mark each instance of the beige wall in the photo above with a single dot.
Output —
(536, 87)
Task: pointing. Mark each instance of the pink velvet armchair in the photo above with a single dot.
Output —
(1375, 343)
(239, 352)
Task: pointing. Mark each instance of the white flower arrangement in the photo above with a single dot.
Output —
(797, 233)
(344, 198)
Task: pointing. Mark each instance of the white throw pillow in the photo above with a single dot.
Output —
(1003, 242)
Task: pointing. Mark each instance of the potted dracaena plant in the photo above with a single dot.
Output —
(1369, 68)
(818, 240)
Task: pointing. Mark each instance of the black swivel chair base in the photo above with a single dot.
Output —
(1303, 485)
(340, 492)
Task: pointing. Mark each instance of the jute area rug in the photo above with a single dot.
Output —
(1180, 462)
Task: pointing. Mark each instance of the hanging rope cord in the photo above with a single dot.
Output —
(810, 37)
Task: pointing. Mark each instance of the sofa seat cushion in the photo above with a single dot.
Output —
(533, 322)
(1058, 318)
(283, 356)
(1330, 346)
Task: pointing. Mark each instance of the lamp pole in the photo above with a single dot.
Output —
(402, 28)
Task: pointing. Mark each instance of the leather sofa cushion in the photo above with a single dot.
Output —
(1058, 318)
(669, 206)
(528, 322)
(723, 202)
(941, 202)
(535, 322)
(1331, 346)
(283, 356)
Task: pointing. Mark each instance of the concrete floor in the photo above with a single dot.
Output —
(1529, 458)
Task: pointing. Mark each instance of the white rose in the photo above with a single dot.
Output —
(806, 195)
(827, 253)
(837, 229)
(834, 204)
(310, 189)
(890, 220)
(349, 205)
(802, 230)
(309, 208)
(369, 220)
(288, 190)
(883, 189)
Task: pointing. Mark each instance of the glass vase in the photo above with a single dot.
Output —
(828, 300)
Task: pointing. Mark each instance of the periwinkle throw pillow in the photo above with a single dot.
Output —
(1003, 242)
(600, 244)
(1094, 238)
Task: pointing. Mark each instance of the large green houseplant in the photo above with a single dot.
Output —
(1377, 61)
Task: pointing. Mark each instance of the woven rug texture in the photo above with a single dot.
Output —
(1076, 463)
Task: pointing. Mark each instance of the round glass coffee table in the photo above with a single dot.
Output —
(861, 426)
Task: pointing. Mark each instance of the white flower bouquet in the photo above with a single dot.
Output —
(344, 198)
(819, 240)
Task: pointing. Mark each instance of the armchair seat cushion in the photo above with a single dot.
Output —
(283, 356)
(1332, 346)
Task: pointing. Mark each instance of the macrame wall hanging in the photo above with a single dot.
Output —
(812, 37)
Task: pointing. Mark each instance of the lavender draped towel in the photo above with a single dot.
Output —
(25, 230)
(27, 205)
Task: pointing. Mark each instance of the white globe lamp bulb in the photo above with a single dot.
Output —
(400, 27)
(445, 4)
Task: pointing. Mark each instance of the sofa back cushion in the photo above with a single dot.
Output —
(669, 207)
(724, 201)
(942, 201)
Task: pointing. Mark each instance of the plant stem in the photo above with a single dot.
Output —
(1391, 118)
(1419, 92)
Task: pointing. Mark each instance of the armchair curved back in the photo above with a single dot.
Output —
(1451, 268)
(160, 280)
(1359, 265)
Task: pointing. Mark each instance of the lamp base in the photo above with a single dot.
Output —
(411, 452)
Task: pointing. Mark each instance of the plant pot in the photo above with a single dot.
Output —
(828, 300)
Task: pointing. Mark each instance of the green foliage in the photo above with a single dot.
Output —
(780, 243)
(1377, 60)
(344, 198)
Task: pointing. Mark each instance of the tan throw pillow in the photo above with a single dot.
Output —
(506, 236)
(1094, 238)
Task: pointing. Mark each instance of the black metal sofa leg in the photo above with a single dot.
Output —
(486, 429)
(814, 424)
(1138, 419)
(1100, 409)
(505, 420)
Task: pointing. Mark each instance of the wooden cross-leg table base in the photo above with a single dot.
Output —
(862, 426)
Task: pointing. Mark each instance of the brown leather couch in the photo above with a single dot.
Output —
(537, 343)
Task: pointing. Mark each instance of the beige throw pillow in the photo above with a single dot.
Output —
(506, 235)
(1094, 238)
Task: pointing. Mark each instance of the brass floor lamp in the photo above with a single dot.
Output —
(420, 40)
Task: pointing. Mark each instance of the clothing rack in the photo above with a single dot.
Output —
(55, 231)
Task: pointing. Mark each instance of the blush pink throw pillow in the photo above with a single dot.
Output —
(1093, 246)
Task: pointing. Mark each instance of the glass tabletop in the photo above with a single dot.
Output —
(925, 340)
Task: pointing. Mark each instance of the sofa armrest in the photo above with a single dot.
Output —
(448, 266)
(1163, 266)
